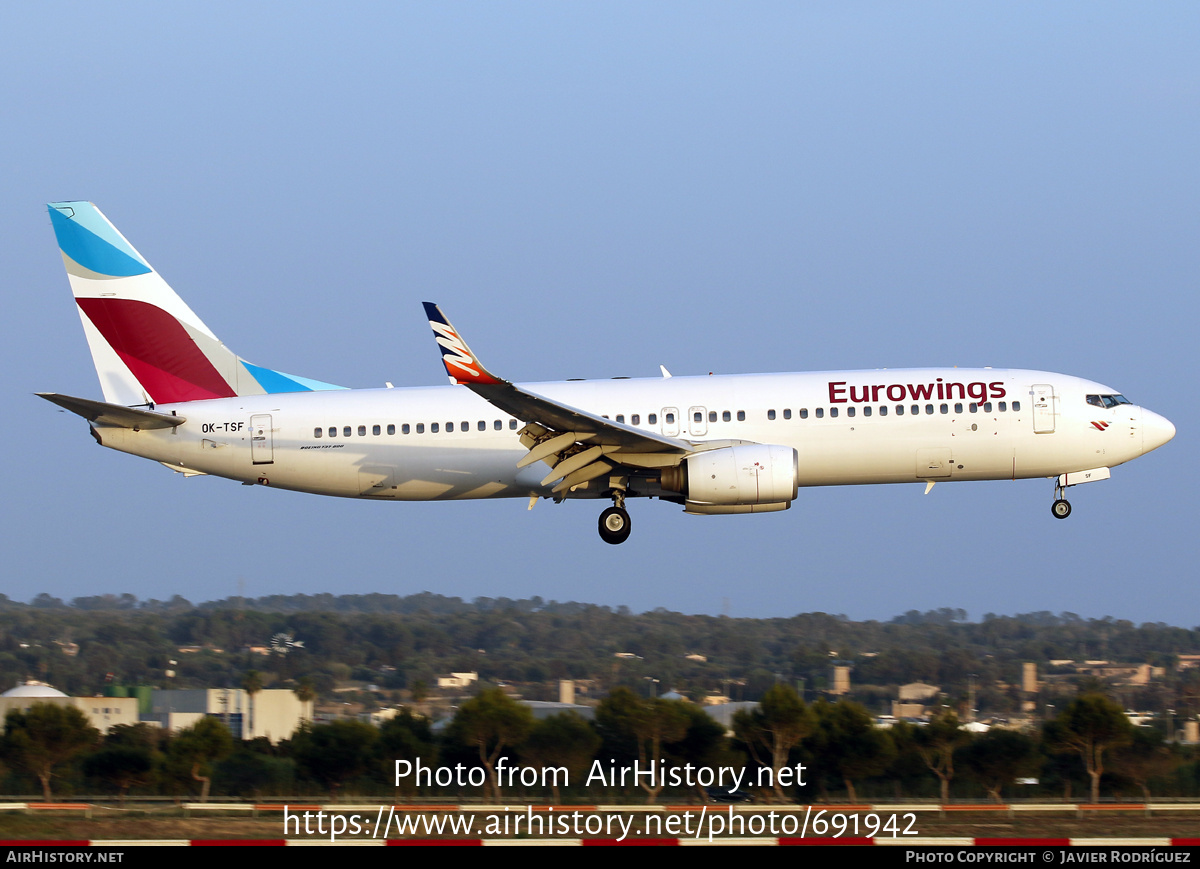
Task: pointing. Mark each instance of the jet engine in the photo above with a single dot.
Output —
(747, 474)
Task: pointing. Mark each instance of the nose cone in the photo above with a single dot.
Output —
(1156, 430)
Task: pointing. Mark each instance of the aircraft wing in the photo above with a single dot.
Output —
(577, 444)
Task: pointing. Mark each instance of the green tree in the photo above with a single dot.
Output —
(998, 758)
(850, 744)
(44, 738)
(252, 684)
(625, 720)
(1146, 756)
(492, 722)
(771, 731)
(122, 766)
(563, 741)
(936, 743)
(1092, 725)
(336, 753)
(196, 748)
(406, 736)
(703, 745)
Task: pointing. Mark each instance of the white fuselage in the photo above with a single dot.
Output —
(848, 427)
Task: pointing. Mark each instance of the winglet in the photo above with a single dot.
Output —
(461, 364)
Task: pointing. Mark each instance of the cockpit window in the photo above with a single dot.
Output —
(1107, 400)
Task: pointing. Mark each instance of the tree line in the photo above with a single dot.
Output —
(397, 643)
(782, 750)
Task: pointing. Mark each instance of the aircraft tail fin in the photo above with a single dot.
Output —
(148, 346)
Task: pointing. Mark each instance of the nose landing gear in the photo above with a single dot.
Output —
(614, 522)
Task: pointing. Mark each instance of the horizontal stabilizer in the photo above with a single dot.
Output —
(116, 415)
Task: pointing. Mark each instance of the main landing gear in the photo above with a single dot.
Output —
(1061, 508)
(614, 522)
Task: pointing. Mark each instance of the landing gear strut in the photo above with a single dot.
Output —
(614, 522)
(1061, 508)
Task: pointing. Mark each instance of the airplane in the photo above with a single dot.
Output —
(715, 445)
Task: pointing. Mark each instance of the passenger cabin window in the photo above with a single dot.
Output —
(698, 416)
(726, 416)
(1016, 407)
(449, 426)
(636, 419)
(498, 426)
(787, 413)
(1003, 406)
(820, 413)
(433, 428)
(420, 428)
(741, 416)
(987, 407)
(512, 424)
(958, 407)
(670, 419)
(464, 426)
(621, 417)
(652, 418)
(899, 410)
(317, 432)
(362, 431)
(833, 412)
(929, 409)
(883, 410)
(973, 407)
(376, 430)
(804, 413)
(712, 416)
(867, 410)
(404, 429)
(850, 411)
(770, 414)
(346, 431)
(482, 425)
(945, 408)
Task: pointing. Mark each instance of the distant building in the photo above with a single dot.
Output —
(103, 713)
(545, 708)
(275, 714)
(457, 680)
(902, 710)
(918, 692)
(841, 680)
(723, 713)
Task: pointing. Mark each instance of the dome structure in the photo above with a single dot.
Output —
(33, 690)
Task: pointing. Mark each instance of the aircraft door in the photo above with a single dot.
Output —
(1043, 408)
(697, 422)
(670, 421)
(262, 450)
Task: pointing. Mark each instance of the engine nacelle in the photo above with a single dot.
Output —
(744, 474)
(694, 509)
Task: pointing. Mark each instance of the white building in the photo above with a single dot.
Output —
(275, 714)
(103, 713)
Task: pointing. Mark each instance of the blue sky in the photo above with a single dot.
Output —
(591, 190)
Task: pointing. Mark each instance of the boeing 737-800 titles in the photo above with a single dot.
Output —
(714, 445)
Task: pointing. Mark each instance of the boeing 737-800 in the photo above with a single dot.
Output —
(712, 444)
